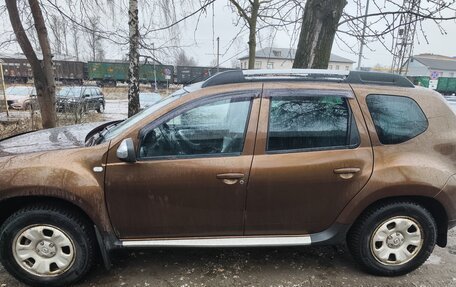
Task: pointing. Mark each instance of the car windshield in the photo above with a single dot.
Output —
(70, 92)
(19, 91)
(128, 123)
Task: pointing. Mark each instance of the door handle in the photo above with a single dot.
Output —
(347, 172)
(231, 178)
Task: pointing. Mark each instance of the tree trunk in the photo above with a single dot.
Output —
(43, 72)
(133, 69)
(252, 33)
(75, 41)
(319, 26)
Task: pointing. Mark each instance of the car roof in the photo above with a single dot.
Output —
(298, 75)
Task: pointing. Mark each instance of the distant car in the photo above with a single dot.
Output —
(82, 98)
(21, 97)
(148, 99)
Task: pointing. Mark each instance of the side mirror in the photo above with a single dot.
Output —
(126, 151)
(86, 96)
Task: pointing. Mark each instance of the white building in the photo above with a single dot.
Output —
(282, 58)
(433, 66)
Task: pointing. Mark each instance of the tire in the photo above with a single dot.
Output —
(404, 229)
(27, 107)
(74, 249)
(101, 108)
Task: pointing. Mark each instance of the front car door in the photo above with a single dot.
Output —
(312, 156)
(191, 173)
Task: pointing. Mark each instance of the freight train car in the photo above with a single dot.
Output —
(69, 72)
(190, 74)
(110, 73)
(420, 80)
(18, 70)
(446, 86)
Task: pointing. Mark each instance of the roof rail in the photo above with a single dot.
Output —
(351, 77)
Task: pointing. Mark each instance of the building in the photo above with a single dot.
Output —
(433, 66)
(282, 58)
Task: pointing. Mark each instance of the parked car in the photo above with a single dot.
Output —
(21, 97)
(82, 98)
(245, 158)
(148, 99)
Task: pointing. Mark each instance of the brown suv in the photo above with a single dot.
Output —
(246, 158)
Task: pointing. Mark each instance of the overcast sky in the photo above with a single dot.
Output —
(200, 44)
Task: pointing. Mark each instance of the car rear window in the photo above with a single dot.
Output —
(396, 118)
(302, 123)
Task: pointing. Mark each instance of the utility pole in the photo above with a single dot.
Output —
(217, 59)
(363, 36)
(218, 53)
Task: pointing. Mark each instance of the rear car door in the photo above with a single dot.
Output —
(312, 155)
(191, 172)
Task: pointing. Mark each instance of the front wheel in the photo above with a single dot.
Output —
(393, 239)
(101, 108)
(42, 245)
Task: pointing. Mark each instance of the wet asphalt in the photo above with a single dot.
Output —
(296, 266)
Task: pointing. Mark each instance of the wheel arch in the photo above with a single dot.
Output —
(431, 204)
(10, 205)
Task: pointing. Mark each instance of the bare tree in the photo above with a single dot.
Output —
(64, 27)
(55, 26)
(75, 35)
(182, 59)
(319, 26)
(43, 72)
(31, 32)
(249, 13)
(323, 21)
(94, 38)
(133, 69)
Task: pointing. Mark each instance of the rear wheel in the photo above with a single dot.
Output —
(43, 245)
(393, 239)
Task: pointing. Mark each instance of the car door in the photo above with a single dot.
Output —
(191, 172)
(313, 154)
(93, 99)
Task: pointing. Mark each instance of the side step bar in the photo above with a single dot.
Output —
(222, 242)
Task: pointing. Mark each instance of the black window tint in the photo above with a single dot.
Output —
(213, 128)
(311, 122)
(396, 119)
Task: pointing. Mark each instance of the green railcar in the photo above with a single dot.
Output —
(420, 80)
(113, 72)
(446, 85)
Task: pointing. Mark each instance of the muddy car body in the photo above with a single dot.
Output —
(249, 158)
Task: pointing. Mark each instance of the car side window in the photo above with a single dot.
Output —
(212, 128)
(300, 123)
(396, 118)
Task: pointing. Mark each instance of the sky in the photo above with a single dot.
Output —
(219, 21)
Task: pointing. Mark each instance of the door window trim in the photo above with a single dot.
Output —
(252, 94)
(311, 93)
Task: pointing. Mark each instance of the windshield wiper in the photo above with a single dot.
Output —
(102, 134)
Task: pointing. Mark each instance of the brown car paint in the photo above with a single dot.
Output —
(423, 166)
(299, 192)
